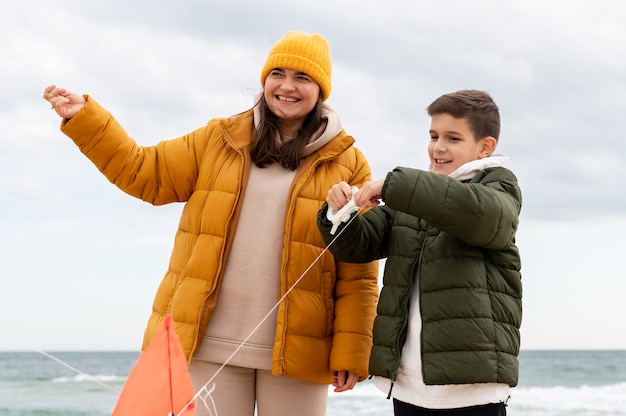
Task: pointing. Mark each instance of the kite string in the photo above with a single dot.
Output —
(239, 347)
(24, 62)
(63, 363)
(50, 356)
(242, 344)
(203, 389)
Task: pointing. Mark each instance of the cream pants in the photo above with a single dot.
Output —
(237, 390)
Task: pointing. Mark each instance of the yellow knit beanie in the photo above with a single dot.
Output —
(302, 52)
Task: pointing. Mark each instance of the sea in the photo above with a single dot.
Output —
(552, 383)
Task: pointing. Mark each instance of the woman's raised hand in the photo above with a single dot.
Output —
(66, 104)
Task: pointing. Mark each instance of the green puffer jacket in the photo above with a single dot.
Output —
(458, 238)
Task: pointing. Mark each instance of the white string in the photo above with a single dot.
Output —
(77, 371)
(204, 399)
(203, 390)
(63, 363)
(241, 345)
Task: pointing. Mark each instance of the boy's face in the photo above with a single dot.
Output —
(452, 144)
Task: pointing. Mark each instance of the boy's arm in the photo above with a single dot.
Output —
(483, 212)
(364, 239)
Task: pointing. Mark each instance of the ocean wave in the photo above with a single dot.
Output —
(79, 378)
(608, 399)
(538, 401)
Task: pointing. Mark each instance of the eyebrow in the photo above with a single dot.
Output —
(297, 72)
(448, 132)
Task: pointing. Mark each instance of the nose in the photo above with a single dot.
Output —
(440, 146)
(289, 84)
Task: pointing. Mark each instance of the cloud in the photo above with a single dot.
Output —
(555, 68)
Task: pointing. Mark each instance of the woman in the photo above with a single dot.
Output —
(252, 185)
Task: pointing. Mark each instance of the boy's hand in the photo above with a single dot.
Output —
(370, 194)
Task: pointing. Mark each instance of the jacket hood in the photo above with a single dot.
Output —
(470, 169)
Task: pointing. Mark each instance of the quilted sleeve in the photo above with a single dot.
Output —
(482, 212)
(157, 174)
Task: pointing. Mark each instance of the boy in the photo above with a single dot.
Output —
(446, 334)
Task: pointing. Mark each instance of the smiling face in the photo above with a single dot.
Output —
(452, 143)
(291, 95)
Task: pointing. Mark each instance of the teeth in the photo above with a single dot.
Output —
(441, 161)
(291, 100)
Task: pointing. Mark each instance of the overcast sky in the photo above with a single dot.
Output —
(81, 261)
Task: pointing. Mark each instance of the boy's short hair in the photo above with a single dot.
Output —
(476, 106)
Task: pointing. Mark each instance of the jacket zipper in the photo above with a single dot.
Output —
(285, 252)
(308, 173)
(406, 322)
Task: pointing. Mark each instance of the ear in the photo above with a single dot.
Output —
(487, 146)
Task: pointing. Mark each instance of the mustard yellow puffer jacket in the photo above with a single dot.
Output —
(325, 324)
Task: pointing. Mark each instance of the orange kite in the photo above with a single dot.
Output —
(158, 384)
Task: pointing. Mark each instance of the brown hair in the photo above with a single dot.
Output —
(268, 146)
(477, 107)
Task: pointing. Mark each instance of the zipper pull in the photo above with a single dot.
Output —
(390, 388)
